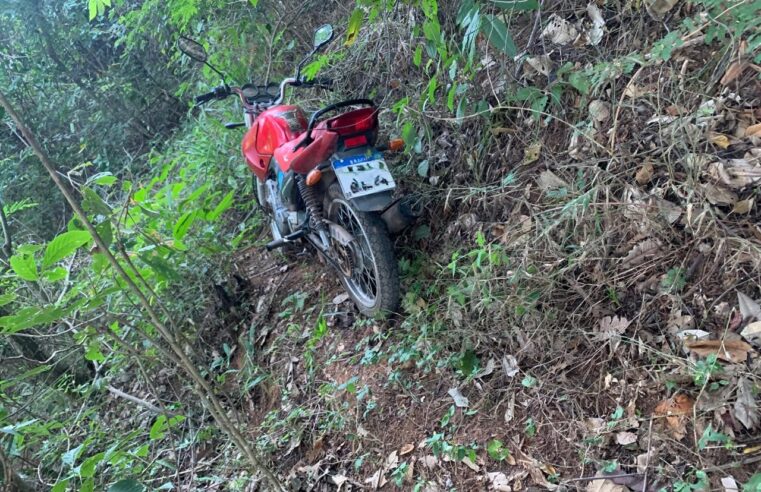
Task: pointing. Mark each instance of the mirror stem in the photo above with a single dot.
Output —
(216, 71)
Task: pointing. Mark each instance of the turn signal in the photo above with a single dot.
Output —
(395, 144)
(314, 177)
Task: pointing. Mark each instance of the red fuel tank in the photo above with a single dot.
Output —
(270, 130)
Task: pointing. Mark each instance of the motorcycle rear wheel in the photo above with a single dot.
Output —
(373, 282)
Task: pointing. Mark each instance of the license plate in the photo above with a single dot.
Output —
(361, 175)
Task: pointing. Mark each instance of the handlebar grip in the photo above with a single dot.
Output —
(205, 97)
(219, 92)
(324, 82)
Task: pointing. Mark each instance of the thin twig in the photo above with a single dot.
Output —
(134, 399)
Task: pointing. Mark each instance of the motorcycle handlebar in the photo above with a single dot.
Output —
(219, 92)
(321, 82)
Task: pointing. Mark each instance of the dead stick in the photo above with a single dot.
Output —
(134, 399)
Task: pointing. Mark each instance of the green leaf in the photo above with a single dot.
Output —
(182, 226)
(105, 232)
(432, 86)
(94, 353)
(529, 381)
(92, 7)
(496, 450)
(54, 275)
(64, 245)
(70, 456)
(226, 203)
(25, 267)
(60, 486)
(8, 383)
(468, 363)
(355, 23)
(417, 58)
(93, 203)
(7, 298)
(521, 5)
(103, 179)
(30, 316)
(158, 429)
(87, 468)
(580, 82)
(754, 484)
(88, 485)
(127, 485)
(450, 96)
(409, 134)
(422, 168)
(496, 32)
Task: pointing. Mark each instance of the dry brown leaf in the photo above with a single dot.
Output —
(406, 449)
(753, 130)
(376, 480)
(729, 484)
(559, 30)
(339, 480)
(634, 91)
(735, 173)
(746, 409)
(743, 206)
(531, 153)
(537, 64)
(599, 111)
(642, 252)
(430, 461)
(669, 211)
(459, 400)
(626, 438)
(733, 71)
(749, 309)
(499, 482)
(548, 180)
(734, 351)
(645, 173)
(718, 195)
(611, 327)
(392, 461)
(659, 8)
(676, 411)
(752, 331)
(719, 140)
(467, 462)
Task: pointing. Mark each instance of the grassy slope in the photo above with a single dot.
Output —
(516, 294)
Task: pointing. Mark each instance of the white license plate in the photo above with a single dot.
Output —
(361, 175)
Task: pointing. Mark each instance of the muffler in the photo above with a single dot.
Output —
(402, 214)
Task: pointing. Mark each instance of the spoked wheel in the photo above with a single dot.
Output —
(367, 264)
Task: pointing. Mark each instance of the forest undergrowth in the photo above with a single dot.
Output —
(580, 299)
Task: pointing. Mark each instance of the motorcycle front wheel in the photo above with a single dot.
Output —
(367, 265)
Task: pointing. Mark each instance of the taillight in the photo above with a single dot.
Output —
(353, 122)
(358, 141)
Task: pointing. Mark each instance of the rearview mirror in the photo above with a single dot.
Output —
(322, 36)
(193, 49)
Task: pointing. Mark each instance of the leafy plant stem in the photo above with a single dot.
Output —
(202, 387)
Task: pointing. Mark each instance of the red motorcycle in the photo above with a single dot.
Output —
(323, 180)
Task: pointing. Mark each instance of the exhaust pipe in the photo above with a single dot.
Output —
(402, 213)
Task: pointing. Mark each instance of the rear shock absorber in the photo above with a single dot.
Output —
(313, 205)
